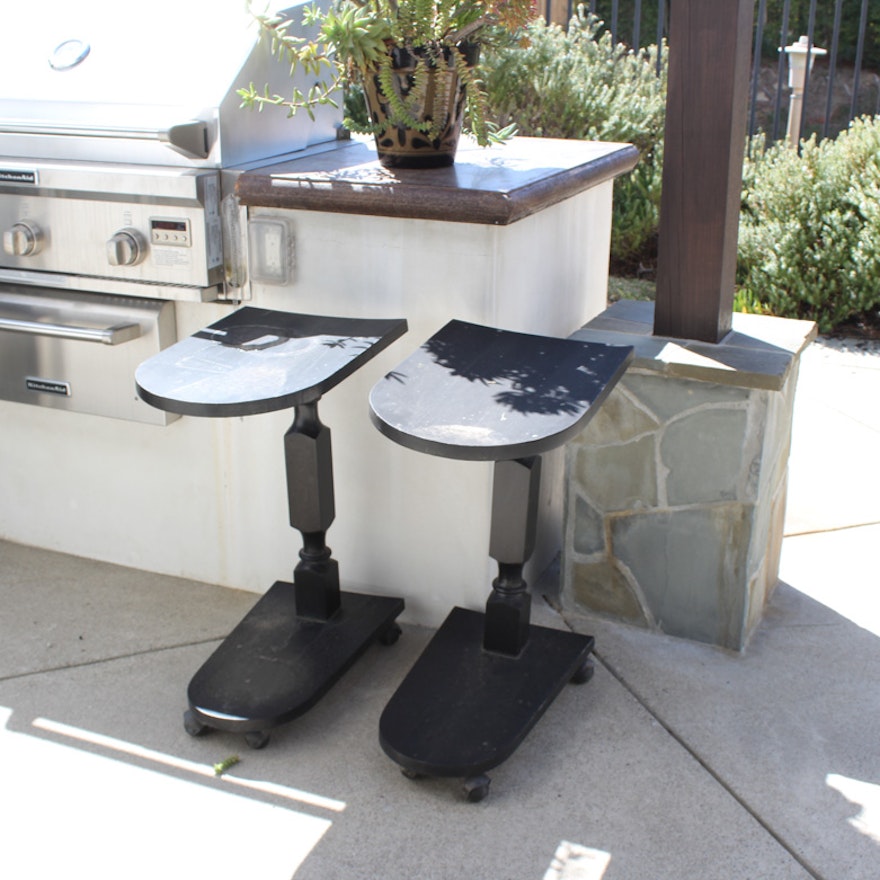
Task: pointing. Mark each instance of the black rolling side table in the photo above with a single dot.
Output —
(485, 679)
(300, 637)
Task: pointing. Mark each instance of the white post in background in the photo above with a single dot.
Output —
(799, 55)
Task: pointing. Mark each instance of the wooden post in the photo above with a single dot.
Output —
(709, 60)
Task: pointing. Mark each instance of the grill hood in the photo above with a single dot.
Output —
(151, 83)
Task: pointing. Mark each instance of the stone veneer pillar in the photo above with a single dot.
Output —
(676, 489)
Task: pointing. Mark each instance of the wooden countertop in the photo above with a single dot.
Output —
(497, 185)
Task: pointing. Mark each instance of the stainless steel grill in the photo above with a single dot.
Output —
(150, 84)
(120, 140)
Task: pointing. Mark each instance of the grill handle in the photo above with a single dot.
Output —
(114, 335)
(188, 138)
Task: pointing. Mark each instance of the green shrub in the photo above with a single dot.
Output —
(809, 237)
(576, 83)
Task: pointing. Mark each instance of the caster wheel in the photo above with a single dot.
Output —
(256, 739)
(410, 774)
(584, 673)
(476, 788)
(390, 635)
(192, 725)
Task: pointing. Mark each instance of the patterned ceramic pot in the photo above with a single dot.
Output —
(427, 88)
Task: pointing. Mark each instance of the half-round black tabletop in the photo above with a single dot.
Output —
(482, 394)
(259, 360)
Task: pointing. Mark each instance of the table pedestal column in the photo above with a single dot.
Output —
(300, 637)
(485, 680)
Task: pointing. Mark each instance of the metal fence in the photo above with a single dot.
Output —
(842, 84)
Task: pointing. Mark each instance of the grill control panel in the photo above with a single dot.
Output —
(161, 227)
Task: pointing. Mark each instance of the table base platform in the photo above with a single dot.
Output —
(274, 665)
(463, 710)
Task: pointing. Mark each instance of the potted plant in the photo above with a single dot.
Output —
(415, 61)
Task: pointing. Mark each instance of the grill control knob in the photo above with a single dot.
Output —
(126, 247)
(23, 239)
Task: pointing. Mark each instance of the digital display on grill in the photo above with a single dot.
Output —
(169, 225)
(170, 231)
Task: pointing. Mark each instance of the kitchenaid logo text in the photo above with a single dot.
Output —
(48, 386)
(11, 175)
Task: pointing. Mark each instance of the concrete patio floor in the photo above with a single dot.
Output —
(676, 761)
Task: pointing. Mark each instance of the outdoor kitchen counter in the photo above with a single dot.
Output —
(515, 237)
(495, 186)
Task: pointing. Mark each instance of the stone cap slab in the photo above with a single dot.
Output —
(757, 353)
(494, 186)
